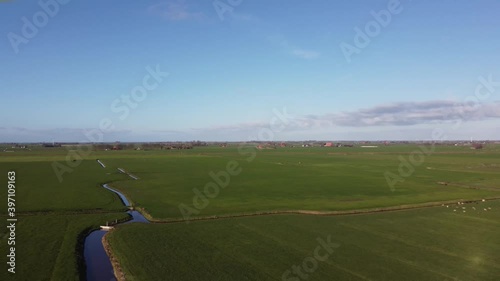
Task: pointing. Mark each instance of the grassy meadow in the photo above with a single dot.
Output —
(53, 217)
(48, 247)
(422, 244)
(40, 190)
(322, 179)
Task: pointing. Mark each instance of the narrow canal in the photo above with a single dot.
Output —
(98, 265)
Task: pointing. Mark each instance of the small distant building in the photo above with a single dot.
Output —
(328, 144)
(477, 146)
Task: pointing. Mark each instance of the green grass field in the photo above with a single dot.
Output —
(422, 244)
(324, 179)
(47, 245)
(53, 216)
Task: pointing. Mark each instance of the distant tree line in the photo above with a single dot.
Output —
(149, 145)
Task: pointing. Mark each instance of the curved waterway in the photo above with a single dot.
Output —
(98, 265)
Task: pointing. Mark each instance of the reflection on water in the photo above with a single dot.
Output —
(124, 199)
(136, 217)
(99, 266)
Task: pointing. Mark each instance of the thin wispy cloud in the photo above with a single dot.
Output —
(384, 115)
(167, 131)
(175, 11)
(371, 121)
(293, 49)
(234, 127)
(14, 134)
(243, 17)
(304, 54)
(414, 113)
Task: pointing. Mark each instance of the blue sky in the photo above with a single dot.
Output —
(229, 74)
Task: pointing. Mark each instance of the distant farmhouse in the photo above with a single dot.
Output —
(476, 146)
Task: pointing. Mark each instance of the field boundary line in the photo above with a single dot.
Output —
(151, 219)
(462, 185)
(314, 213)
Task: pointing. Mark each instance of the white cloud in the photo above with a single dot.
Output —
(403, 120)
(17, 134)
(384, 115)
(292, 49)
(175, 11)
(413, 113)
(244, 17)
(305, 54)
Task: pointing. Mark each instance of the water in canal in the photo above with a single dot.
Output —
(98, 265)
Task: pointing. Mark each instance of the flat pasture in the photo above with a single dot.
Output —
(432, 243)
(53, 217)
(48, 247)
(310, 179)
(426, 244)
